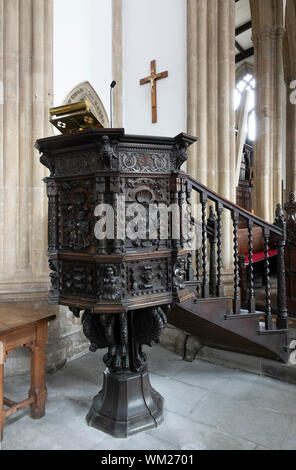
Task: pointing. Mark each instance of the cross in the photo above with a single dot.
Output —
(152, 80)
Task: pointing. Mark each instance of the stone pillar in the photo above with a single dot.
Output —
(1, 135)
(211, 117)
(26, 27)
(212, 104)
(290, 79)
(226, 120)
(197, 89)
(278, 128)
(26, 71)
(267, 28)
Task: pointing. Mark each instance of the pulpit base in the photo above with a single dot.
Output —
(127, 404)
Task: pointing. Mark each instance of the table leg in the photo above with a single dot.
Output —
(2, 414)
(38, 364)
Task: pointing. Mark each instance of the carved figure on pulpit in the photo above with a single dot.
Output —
(110, 284)
(180, 273)
(78, 227)
(54, 279)
(147, 278)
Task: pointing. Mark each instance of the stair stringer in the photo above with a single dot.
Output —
(211, 322)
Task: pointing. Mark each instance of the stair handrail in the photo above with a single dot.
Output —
(214, 285)
(215, 197)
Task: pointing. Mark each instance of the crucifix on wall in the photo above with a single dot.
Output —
(152, 80)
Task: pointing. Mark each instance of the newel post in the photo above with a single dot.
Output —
(282, 313)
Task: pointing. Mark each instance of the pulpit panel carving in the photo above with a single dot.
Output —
(146, 278)
(77, 165)
(78, 280)
(140, 160)
(76, 208)
(147, 192)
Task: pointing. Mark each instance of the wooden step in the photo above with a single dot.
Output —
(212, 322)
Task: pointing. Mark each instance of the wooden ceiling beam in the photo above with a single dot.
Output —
(243, 55)
(239, 47)
(244, 27)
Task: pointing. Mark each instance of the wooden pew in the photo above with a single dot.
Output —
(257, 258)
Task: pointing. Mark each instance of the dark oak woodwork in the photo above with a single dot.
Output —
(251, 247)
(219, 321)
(272, 235)
(25, 324)
(236, 300)
(251, 299)
(121, 285)
(290, 254)
(125, 287)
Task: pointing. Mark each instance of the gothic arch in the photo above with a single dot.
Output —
(84, 91)
(244, 69)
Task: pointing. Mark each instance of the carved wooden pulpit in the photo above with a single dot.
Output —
(122, 285)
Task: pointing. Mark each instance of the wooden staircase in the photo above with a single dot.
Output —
(220, 321)
(214, 324)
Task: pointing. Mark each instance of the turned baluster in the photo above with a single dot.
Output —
(236, 300)
(212, 225)
(268, 315)
(183, 213)
(189, 228)
(219, 287)
(205, 281)
(251, 298)
(282, 314)
(189, 268)
(197, 263)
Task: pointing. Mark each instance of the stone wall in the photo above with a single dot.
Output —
(65, 342)
(210, 110)
(26, 71)
(290, 79)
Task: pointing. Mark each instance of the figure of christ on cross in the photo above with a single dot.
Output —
(152, 80)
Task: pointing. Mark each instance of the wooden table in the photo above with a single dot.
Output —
(25, 324)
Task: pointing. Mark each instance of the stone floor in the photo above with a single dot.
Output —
(206, 407)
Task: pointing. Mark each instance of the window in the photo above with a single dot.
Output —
(247, 83)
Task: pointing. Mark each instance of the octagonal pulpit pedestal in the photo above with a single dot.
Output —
(127, 404)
